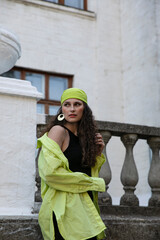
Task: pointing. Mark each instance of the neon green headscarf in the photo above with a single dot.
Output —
(74, 93)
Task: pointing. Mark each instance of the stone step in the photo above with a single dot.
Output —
(123, 223)
(20, 228)
(131, 223)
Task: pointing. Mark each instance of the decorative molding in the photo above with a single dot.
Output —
(10, 50)
(11, 86)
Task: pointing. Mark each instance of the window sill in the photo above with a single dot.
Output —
(60, 8)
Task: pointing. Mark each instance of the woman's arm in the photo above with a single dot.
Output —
(56, 176)
(55, 172)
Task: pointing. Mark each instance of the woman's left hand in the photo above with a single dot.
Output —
(100, 143)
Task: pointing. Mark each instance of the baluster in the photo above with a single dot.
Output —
(129, 174)
(154, 172)
(38, 185)
(105, 173)
(38, 199)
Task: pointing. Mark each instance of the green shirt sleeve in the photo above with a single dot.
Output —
(54, 171)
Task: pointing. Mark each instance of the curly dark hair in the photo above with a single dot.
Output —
(87, 130)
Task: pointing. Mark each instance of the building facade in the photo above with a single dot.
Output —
(109, 48)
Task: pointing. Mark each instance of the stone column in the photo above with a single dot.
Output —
(154, 172)
(18, 100)
(129, 174)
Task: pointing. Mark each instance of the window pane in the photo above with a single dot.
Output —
(56, 87)
(12, 74)
(74, 3)
(40, 108)
(53, 110)
(54, 1)
(37, 80)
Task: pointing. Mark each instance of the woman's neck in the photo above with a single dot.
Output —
(73, 127)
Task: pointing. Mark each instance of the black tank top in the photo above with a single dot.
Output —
(74, 154)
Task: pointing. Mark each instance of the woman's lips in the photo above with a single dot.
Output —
(72, 115)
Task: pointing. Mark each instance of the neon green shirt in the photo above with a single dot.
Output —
(65, 193)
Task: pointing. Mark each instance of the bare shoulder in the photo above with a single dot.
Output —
(57, 133)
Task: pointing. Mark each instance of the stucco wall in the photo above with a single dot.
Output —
(65, 40)
(108, 87)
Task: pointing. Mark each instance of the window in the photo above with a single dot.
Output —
(80, 4)
(50, 85)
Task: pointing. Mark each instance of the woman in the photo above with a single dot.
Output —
(69, 162)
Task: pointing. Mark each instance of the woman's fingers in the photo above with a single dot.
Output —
(99, 141)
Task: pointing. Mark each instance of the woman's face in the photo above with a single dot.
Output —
(73, 110)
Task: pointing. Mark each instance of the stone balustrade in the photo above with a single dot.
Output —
(129, 134)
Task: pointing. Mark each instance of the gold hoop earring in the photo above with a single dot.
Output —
(60, 117)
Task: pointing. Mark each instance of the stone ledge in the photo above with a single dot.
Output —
(130, 211)
(118, 229)
(118, 129)
(131, 223)
(20, 227)
(123, 223)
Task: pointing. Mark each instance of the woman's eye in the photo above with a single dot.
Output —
(66, 104)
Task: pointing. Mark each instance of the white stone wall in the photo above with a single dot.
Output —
(18, 141)
(65, 40)
(108, 85)
(87, 45)
(140, 58)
